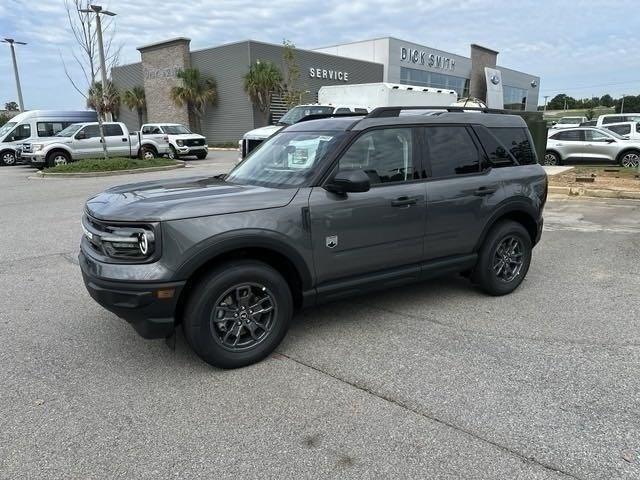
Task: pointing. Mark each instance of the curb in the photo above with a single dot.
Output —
(42, 174)
(221, 149)
(592, 192)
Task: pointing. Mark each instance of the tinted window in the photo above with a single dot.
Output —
(113, 130)
(360, 110)
(49, 129)
(342, 110)
(517, 142)
(451, 151)
(146, 130)
(569, 136)
(91, 131)
(20, 133)
(616, 119)
(498, 155)
(385, 155)
(620, 129)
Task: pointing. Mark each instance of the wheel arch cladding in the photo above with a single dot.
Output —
(518, 212)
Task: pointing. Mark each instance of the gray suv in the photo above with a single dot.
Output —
(324, 209)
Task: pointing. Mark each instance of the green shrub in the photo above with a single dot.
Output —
(113, 164)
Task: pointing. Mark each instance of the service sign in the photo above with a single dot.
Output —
(328, 74)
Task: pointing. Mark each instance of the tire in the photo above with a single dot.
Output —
(201, 155)
(487, 273)
(172, 152)
(552, 158)
(629, 159)
(147, 153)
(8, 157)
(58, 158)
(238, 284)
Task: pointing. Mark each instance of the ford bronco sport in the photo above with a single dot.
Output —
(324, 209)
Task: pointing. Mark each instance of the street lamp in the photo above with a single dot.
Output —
(622, 104)
(11, 43)
(97, 9)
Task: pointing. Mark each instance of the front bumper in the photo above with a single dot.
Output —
(191, 150)
(36, 158)
(135, 302)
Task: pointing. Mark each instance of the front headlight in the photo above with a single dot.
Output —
(133, 243)
(180, 143)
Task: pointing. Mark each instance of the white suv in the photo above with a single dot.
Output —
(183, 142)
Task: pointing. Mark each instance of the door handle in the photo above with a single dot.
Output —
(485, 191)
(124, 139)
(404, 201)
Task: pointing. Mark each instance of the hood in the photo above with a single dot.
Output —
(45, 140)
(183, 198)
(262, 132)
(185, 136)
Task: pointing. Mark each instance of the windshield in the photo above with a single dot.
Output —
(175, 129)
(69, 131)
(298, 113)
(570, 120)
(7, 127)
(285, 160)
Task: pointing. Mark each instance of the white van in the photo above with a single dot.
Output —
(28, 127)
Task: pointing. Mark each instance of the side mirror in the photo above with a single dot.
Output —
(81, 135)
(348, 181)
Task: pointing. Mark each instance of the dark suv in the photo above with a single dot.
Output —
(324, 209)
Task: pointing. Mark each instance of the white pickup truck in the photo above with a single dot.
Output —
(82, 140)
(183, 142)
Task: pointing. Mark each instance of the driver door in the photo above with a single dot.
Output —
(86, 142)
(381, 230)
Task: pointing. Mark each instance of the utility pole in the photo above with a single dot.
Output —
(545, 104)
(12, 43)
(97, 9)
(622, 104)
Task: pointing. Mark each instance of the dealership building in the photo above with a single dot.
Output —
(379, 60)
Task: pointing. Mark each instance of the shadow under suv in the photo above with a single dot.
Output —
(324, 209)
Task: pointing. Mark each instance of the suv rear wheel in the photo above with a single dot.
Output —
(630, 159)
(504, 258)
(238, 314)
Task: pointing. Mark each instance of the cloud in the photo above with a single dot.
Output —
(567, 43)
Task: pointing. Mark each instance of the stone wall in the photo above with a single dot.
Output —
(480, 57)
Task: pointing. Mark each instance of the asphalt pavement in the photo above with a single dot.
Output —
(435, 380)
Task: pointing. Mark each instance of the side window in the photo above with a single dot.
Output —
(21, 132)
(49, 129)
(451, 151)
(386, 155)
(596, 136)
(342, 110)
(90, 131)
(360, 110)
(517, 142)
(615, 119)
(638, 127)
(620, 129)
(113, 130)
(498, 155)
(571, 136)
(146, 130)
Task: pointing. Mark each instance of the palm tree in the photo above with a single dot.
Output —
(134, 99)
(196, 92)
(111, 102)
(261, 81)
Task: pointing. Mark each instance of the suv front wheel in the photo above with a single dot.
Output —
(238, 314)
(504, 258)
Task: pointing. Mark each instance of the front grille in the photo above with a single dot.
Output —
(249, 146)
(194, 142)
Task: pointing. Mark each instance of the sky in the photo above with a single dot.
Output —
(582, 48)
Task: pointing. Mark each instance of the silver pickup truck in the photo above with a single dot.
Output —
(82, 140)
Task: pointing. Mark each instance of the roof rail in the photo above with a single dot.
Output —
(318, 116)
(395, 111)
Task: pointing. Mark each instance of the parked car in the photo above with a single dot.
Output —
(33, 125)
(324, 209)
(589, 123)
(617, 118)
(82, 140)
(569, 122)
(184, 143)
(629, 130)
(591, 144)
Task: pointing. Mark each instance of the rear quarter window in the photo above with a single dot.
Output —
(516, 141)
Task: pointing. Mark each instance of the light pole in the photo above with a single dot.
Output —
(12, 43)
(622, 104)
(97, 9)
(545, 104)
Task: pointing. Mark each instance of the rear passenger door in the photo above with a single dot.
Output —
(117, 141)
(462, 191)
(571, 145)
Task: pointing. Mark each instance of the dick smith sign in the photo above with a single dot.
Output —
(422, 57)
(325, 74)
(168, 72)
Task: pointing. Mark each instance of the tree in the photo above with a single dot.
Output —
(261, 81)
(109, 102)
(135, 99)
(11, 106)
(589, 114)
(631, 104)
(292, 94)
(607, 100)
(196, 92)
(83, 31)
(3, 119)
(560, 101)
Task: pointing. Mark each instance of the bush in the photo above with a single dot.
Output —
(113, 164)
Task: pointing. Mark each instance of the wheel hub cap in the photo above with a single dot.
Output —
(508, 259)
